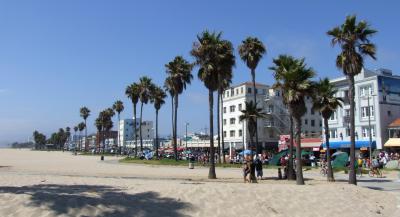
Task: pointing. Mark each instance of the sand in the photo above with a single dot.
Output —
(36, 183)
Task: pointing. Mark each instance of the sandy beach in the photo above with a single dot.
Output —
(38, 183)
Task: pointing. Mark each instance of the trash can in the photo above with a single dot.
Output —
(191, 162)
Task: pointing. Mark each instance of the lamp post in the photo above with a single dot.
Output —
(186, 137)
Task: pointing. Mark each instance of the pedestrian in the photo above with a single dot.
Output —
(246, 171)
(259, 168)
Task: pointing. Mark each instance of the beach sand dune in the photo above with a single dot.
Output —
(35, 183)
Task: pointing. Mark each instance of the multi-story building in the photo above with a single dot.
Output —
(377, 100)
(127, 136)
(235, 132)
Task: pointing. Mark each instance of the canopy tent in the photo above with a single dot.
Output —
(346, 144)
(275, 160)
(392, 142)
(341, 159)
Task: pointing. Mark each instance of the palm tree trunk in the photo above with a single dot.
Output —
(211, 172)
(290, 174)
(222, 128)
(156, 133)
(328, 153)
(352, 173)
(140, 127)
(172, 121)
(86, 140)
(299, 166)
(134, 127)
(119, 143)
(175, 127)
(220, 152)
(253, 76)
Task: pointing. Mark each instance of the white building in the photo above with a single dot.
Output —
(236, 135)
(127, 136)
(377, 99)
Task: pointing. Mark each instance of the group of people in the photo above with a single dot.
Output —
(252, 169)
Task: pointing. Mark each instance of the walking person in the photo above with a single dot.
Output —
(259, 168)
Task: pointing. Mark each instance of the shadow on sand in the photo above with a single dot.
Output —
(98, 200)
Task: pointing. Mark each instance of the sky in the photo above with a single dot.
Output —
(57, 56)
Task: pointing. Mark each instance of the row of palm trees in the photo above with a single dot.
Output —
(215, 59)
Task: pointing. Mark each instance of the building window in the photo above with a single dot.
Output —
(333, 116)
(232, 133)
(240, 106)
(249, 90)
(241, 90)
(256, 91)
(366, 90)
(333, 133)
(237, 91)
(227, 93)
(347, 131)
(367, 111)
(224, 110)
(305, 121)
(240, 133)
(232, 92)
(365, 132)
(313, 123)
(312, 111)
(389, 113)
(224, 134)
(232, 108)
(224, 121)
(320, 123)
(232, 121)
(277, 93)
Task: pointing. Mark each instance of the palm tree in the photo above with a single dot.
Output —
(81, 127)
(145, 86)
(157, 98)
(354, 41)
(119, 107)
(85, 112)
(212, 55)
(169, 87)
(223, 85)
(293, 77)
(251, 51)
(250, 115)
(99, 126)
(75, 129)
(325, 102)
(133, 93)
(179, 72)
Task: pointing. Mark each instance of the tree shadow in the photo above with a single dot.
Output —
(99, 200)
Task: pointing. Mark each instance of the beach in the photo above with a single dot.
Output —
(40, 183)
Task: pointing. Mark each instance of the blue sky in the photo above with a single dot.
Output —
(56, 56)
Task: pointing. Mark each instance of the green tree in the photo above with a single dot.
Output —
(251, 51)
(158, 99)
(179, 73)
(118, 106)
(326, 102)
(145, 86)
(81, 127)
(133, 93)
(354, 40)
(293, 76)
(212, 55)
(85, 113)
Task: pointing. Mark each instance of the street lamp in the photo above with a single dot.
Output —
(186, 137)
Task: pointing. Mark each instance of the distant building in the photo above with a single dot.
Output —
(377, 98)
(235, 132)
(127, 135)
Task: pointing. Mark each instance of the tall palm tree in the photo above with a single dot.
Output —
(169, 87)
(145, 86)
(81, 127)
(354, 41)
(293, 76)
(85, 113)
(223, 85)
(158, 99)
(133, 93)
(250, 115)
(179, 72)
(326, 102)
(251, 51)
(212, 55)
(99, 126)
(118, 106)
